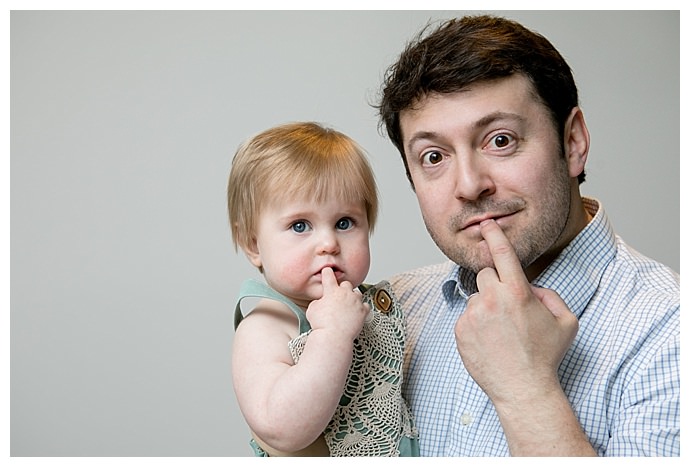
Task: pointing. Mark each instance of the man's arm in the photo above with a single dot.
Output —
(511, 339)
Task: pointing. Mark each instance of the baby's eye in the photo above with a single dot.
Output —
(344, 223)
(299, 227)
(432, 158)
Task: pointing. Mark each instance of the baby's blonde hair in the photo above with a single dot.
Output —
(296, 160)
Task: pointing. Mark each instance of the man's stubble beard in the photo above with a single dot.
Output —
(531, 243)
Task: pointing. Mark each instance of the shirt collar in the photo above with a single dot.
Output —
(574, 274)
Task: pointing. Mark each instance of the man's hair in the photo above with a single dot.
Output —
(472, 49)
(296, 161)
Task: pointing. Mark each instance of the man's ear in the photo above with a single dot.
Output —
(576, 142)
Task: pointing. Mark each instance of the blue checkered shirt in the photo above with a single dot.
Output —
(621, 374)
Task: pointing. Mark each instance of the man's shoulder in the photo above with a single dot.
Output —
(424, 273)
(422, 280)
(419, 289)
(637, 292)
(647, 275)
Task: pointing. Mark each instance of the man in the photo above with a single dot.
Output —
(485, 115)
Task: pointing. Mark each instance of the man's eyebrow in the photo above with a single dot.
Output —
(481, 123)
(419, 136)
(494, 116)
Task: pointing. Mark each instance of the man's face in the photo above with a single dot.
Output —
(489, 151)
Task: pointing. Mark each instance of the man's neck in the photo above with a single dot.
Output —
(578, 220)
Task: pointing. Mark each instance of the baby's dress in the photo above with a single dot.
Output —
(372, 418)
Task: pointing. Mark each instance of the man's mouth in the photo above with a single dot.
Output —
(475, 221)
(475, 213)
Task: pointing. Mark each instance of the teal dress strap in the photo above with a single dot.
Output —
(254, 288)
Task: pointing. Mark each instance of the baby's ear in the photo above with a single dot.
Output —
(251, 250)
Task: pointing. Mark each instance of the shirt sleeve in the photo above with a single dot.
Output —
(648, 423)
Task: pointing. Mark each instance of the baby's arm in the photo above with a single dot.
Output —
(287, 405)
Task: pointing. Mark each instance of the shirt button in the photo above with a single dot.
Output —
(466, 419)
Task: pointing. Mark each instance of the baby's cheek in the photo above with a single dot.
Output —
(361, 265)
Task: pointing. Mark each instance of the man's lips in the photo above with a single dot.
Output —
(475, 221)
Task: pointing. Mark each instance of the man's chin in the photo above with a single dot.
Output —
(478, 260)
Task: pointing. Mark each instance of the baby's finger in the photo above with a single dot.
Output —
(328, 280)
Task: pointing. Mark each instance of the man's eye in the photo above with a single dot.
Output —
(299, 227)
(432, 158)
(344, 223)
(502, 140)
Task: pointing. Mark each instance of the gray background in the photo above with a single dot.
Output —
(123, 125)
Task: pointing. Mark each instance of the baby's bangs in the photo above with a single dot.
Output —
(345, 184)
(323, 182)
(314, 176)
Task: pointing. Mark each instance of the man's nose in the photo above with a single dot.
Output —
(473, 178)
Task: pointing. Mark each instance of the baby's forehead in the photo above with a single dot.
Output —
(328, 187)
(309, 198)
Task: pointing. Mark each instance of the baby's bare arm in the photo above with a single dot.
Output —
(286, 405)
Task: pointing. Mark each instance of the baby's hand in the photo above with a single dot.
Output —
(340, 309)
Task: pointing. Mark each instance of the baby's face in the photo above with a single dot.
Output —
(297, 238)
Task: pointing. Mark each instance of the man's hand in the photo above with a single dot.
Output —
(513, 336)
